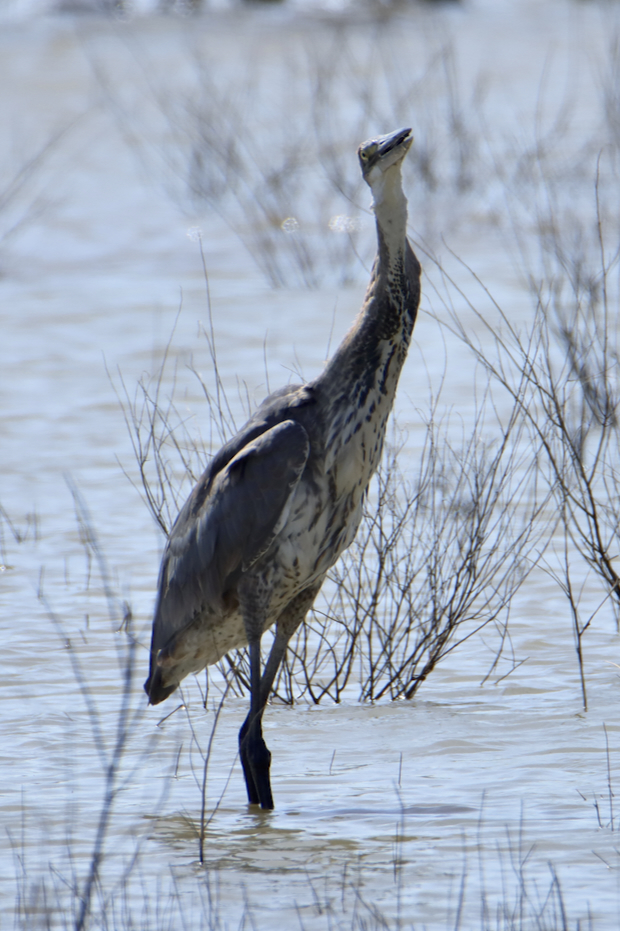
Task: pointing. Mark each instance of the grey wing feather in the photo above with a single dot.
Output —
(225, 528)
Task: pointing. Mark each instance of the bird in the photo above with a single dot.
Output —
(282, 500)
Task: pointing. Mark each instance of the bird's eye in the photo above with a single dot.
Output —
(364, 156)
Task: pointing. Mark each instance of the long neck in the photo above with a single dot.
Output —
(390, 208)
(363, 373)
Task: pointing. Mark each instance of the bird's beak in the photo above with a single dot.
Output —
(393, 141)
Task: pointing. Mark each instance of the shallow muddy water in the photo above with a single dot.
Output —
(471, 801)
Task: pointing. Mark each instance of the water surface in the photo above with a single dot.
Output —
(396, 809)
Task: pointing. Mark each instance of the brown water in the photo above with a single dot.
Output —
(383, 807)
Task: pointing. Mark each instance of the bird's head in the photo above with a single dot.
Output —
(382, 153)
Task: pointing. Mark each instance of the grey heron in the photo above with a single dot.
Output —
(282, 499)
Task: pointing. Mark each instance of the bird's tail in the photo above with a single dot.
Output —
(155, 688)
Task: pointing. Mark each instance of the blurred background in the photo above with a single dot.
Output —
(184, 228)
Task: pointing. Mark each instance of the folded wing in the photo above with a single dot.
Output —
(229, 521)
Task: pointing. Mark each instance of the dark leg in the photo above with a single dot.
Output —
(250, 784)
(255, 756)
